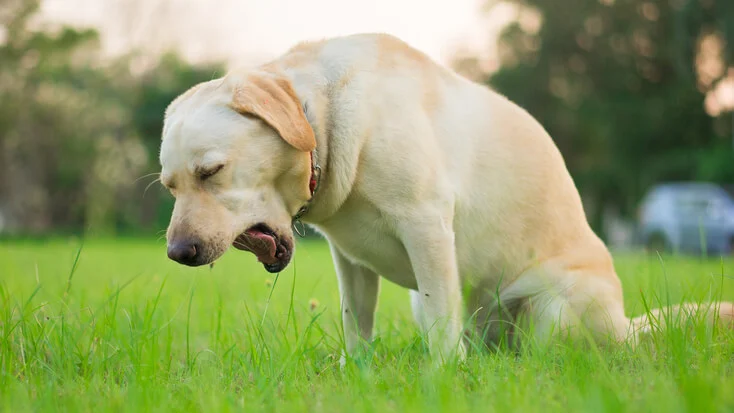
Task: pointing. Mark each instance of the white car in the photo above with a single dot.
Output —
(692, 217)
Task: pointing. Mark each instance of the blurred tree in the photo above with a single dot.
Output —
(157, 87)
(621, 86)
(51, 121)
(76, 131)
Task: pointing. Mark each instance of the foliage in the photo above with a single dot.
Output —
(621, 86)
(76, 130)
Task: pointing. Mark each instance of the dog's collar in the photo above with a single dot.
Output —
(313, 186)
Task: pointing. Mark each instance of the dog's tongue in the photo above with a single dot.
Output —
(259, 243)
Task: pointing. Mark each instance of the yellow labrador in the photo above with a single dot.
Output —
(412, 173)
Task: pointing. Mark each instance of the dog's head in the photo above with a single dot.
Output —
(236, 156)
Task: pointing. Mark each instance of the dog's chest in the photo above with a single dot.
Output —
(365, 237)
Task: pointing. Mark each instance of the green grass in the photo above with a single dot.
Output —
(124, 329)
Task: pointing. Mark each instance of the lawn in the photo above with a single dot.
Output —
(127, 330)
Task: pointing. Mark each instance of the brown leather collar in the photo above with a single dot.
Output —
(313, 186)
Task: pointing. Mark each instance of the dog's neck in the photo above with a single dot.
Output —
(313, 186)
(334, 183)
(312, 211)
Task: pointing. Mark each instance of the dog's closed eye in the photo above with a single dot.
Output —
(204, 174)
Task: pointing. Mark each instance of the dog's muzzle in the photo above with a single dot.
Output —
(272, 250)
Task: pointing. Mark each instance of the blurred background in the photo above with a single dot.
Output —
(638, 95)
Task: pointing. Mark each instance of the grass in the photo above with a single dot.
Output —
(117, 327)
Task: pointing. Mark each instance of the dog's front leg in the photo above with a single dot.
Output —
(429, 241)
(358, 291)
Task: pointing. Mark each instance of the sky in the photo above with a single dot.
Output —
(250, 31)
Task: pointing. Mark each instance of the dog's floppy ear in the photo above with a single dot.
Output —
(273, 100)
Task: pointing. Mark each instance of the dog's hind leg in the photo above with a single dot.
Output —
(576, 305)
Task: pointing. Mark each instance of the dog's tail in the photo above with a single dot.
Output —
(719, 312)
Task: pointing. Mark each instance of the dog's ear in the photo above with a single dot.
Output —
(273, 100)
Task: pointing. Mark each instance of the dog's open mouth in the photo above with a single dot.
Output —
(272, 251)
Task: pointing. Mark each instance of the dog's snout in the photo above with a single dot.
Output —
(185, 251)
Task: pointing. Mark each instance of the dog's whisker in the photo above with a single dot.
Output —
(150, 184)
(239, 244)
(147, 175)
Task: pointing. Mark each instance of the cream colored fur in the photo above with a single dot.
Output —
(429, 180)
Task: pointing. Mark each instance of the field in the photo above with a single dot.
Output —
(121, 328)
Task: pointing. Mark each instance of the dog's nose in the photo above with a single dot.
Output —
(184, 252)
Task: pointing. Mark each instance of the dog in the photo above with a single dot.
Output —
(412, 173)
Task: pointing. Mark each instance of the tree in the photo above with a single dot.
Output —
(76, 130)
(619, 85)
(157, 87)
